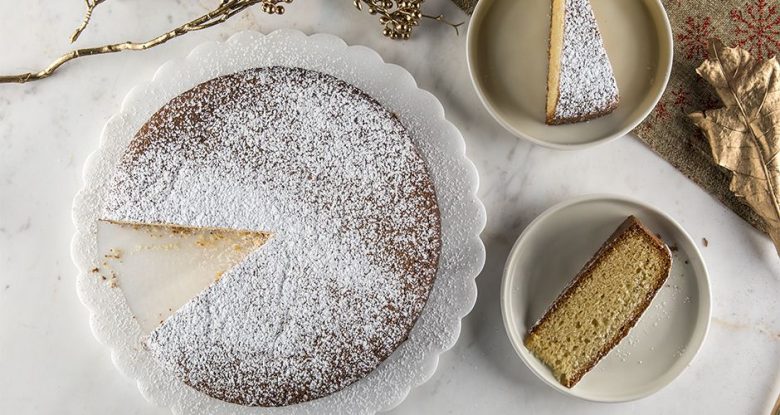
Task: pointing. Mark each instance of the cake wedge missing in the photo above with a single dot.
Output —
(580, 81)
(161, 266)
(602, 303)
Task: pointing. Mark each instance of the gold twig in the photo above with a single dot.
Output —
(440, 18)
(226, 10)
(91, 4)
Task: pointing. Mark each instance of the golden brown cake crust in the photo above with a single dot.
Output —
(631, 224)
(552, 120)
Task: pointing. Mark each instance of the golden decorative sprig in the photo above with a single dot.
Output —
(225, 10)
(400, 17)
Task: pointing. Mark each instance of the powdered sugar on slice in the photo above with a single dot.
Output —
(356, 229)
(587, 83)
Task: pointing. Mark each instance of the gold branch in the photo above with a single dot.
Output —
(440, 18)
(225, 10)
(91, 4)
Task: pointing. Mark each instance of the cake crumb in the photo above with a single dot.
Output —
(114, 253)
(705, 242)
(95, 270)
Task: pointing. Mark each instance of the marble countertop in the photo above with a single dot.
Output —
(50, 363)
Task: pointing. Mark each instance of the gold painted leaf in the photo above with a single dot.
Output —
(744, 136)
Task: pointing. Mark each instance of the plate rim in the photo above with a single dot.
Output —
(703, 320)
(471, 46)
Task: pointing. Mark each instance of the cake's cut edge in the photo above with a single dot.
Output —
(554, 58)
(257, 238)
(621, 233)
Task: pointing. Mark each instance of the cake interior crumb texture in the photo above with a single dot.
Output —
(580, 82)
(603, 302)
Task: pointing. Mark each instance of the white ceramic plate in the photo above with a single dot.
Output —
(507, 57)
(454, 176)
(555, 246)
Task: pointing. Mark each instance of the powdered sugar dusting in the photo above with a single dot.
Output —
(354, 216)
(587, 84)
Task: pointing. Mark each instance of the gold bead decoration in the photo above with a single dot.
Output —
(398, 18)
(273, 6)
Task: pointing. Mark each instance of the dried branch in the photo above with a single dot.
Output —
(440, 18)
(398, 17)
(91, 4)
(226, 10)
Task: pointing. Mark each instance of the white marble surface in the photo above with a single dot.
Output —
(50, 363)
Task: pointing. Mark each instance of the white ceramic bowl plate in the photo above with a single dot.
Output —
(551, 251)
(507, 57)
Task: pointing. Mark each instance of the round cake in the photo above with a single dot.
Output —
(337, 181)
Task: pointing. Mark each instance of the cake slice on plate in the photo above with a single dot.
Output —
(580, 81)
(602, 303)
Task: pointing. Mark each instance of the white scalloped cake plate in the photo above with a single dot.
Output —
(507, 50)
(454, 176)
(555, 246)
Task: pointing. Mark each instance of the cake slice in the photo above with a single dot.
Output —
(580, 82)
(602, 303)
(160, 267)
